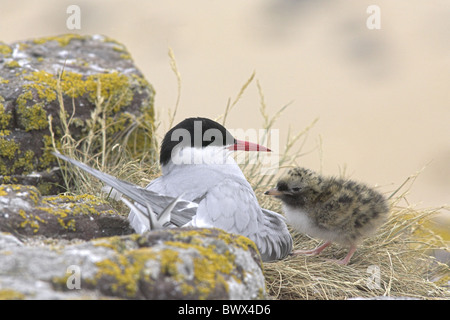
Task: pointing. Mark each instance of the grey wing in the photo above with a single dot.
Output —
(277, 237)
(180, 215)
(232, 206)
(183, 211)
(229, 206)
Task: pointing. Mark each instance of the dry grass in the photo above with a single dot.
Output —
(395, 262)
(398, 253)
(112, 155)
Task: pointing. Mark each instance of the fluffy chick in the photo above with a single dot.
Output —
(332, 209)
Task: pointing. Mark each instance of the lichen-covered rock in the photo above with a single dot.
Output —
(88, 71)
(167, 264)
(24, 212)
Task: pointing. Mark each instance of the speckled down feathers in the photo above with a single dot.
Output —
(336, 210)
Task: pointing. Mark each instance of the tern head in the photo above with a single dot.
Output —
(202, 133)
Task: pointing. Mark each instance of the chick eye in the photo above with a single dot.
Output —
(296, 189)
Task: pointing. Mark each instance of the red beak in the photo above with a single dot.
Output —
(247, 146)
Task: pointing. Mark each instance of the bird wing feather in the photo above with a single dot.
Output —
(279, 240)
(240, 213)
(181, 214)
(231, 206)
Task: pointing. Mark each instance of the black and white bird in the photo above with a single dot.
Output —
(202, 186)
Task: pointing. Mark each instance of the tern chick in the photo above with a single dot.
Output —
(332, 209)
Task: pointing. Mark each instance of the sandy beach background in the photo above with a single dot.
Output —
(382, 96)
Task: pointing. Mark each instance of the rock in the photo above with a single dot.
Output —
(86, 66)
(24, 212)
(168, 264)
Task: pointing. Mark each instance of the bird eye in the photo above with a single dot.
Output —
(296, 189)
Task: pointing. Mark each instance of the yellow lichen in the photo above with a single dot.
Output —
(44, 83)
(212, 267)
(9, 294)
(4, 133)
(8, 148)
(169, 261)
(3, 81)
(80, 204)
(5, 118)
(60, 215)
(117, 243)
(34, 117)
(24, 163)
(3, 168)
(33, 193)
(5, 49)
(30, 220)
(7, 179)
(209, 268)
(47, 158)
(75, 85)
(64, 207)
(2, 191)
(63, 40)
(125, 270)
(236, 240)
(12, 64)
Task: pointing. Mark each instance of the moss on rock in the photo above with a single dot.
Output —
(89, 71)
(167, 264)
(188, 263)
(8, 294)
(5, 50)
(70, 217)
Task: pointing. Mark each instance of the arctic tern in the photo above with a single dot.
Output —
(202, 186)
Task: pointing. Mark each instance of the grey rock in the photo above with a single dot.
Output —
(24, 212)
(167, 264)
(29, 73)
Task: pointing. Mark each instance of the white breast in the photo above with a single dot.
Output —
(298, 219)
(301, 222)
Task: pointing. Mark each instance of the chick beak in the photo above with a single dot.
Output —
(247, 146)
(273, 192)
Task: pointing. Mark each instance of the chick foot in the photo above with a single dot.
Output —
(346, 260)
(312, 252)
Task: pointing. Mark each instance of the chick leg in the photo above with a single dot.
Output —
(347, 258)
(312, 252)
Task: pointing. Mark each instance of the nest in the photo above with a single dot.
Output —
(394, 263)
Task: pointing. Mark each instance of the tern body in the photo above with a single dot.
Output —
(203, 170)
(197, 166)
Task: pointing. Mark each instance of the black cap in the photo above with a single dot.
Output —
(194, 132)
